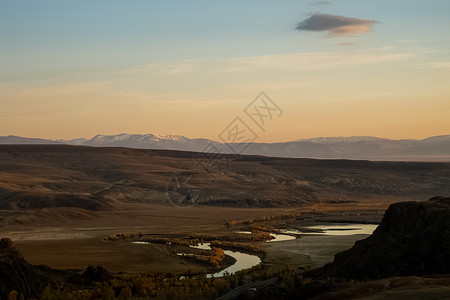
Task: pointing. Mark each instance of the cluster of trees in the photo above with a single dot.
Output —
(14, 295)
(216, 257)
(260, 236)
(263, 219)
(289, 282)
(138, 286)
(172, 241)
(237, 246)
(157, 240)
(213, 257)
(258, 227)
(258, 233)
(255, 236)
(123, 236)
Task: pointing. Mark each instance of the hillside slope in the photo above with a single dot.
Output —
(37, 176)
(17, 274)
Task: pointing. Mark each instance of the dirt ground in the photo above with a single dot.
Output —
(307, 252)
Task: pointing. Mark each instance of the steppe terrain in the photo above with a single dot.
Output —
(59, 204)
(40, 176)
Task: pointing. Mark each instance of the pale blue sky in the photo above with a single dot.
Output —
(48, 44)
(73, 36)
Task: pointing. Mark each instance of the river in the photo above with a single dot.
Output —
(243, 261)
(247, 261)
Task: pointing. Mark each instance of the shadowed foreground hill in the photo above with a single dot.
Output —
(412, 239)
(38, 176)
(17, 274)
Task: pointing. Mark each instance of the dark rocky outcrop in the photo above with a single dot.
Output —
(17, 274)
(412, 239)
(91, 275)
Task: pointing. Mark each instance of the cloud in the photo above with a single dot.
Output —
(440, 65)
(275, 62)
(315, 3)
(336, 25)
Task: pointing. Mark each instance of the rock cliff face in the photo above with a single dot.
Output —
(412, 239)
(17, 274)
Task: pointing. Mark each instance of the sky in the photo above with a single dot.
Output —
(71, 69)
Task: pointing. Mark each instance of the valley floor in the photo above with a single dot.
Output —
(65, 239)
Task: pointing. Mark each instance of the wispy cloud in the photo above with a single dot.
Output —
(336, 25)
(317, 3)
(440, 65)
(309, 61)
(282, 62)
(21, 90)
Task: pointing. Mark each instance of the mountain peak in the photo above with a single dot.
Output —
(354, 147)
(439, 138)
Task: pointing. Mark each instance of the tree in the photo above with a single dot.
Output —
(126, 293)
(12, 295)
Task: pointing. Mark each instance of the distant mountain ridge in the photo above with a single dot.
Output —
(343, 139)
(12, 139)
(436, 148)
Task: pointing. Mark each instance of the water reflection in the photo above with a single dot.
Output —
(280, 237)
(276, 236)
(336, 230)
(243, 261)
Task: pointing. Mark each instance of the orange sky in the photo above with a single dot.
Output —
(386, 76)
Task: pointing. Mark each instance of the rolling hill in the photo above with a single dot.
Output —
(38, 176)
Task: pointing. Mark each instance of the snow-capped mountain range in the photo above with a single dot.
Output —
(436, 148)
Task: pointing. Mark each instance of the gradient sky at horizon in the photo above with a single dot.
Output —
(73, 69)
